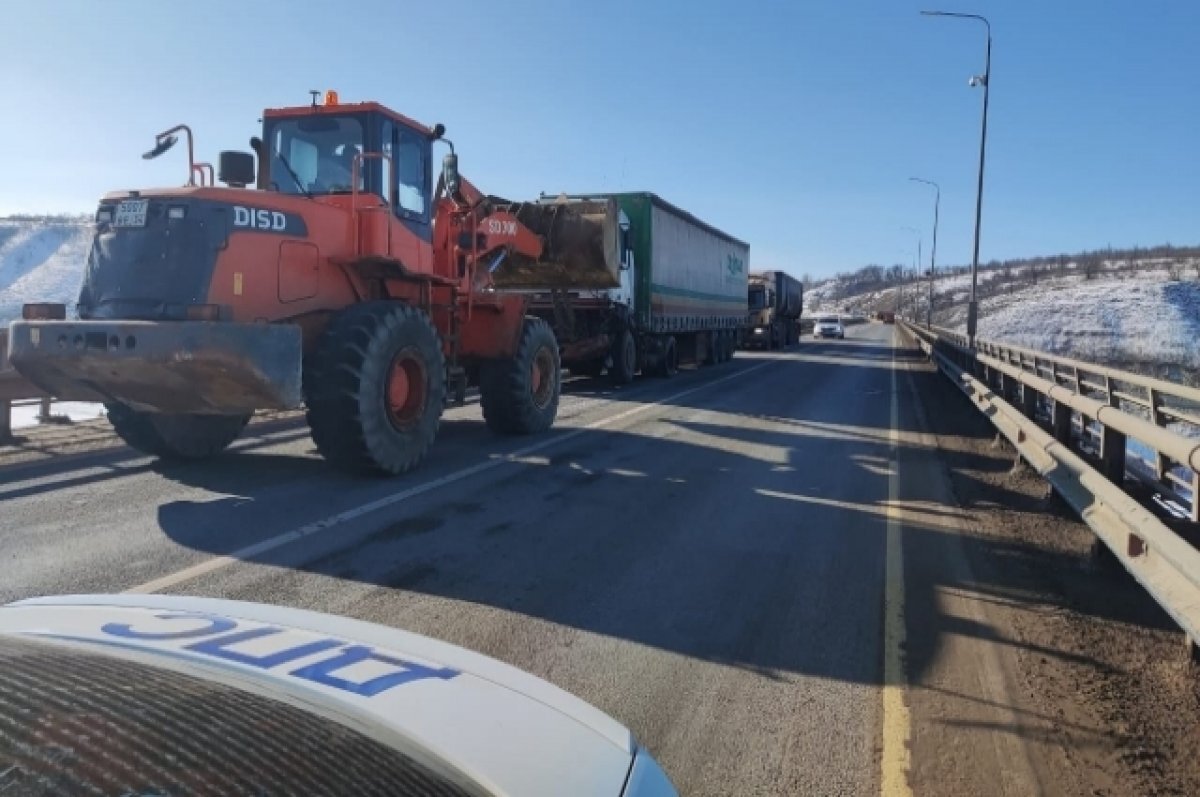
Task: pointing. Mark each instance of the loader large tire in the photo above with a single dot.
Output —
(375, 388)
(175, 435)
(624, 359)
(520, 395)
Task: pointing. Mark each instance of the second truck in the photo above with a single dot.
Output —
(776, 300)
(679, 295)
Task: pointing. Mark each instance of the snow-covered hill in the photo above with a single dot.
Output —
(41, 259)
(1149, 317)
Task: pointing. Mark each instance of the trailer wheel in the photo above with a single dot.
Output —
(711, 344)
(519, 395)
(591, 369)
(624, 359)
(722, 345)
(668, 360)
(175, 435)
(375, 388)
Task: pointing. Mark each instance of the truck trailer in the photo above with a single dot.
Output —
(776, 300)
(678, 294)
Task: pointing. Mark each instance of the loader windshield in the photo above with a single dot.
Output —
(320, 152)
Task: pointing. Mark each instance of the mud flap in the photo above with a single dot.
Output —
(162, 366)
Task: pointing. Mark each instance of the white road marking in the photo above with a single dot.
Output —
(251, 551)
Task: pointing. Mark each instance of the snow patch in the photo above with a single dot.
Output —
(40, 261)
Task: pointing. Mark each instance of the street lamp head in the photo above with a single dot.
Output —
(977, 80)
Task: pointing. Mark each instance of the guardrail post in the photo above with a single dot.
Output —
(5, 421)
(1029, 399)
(1160, 464)
(1062, 423)
(1112, 442)
(1112, 454)
(1195, 513)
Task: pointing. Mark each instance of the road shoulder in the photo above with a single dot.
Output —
(1079, 679)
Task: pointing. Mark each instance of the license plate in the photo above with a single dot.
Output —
(131, 213)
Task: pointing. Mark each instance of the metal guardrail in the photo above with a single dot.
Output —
(1112, 405)
(1013, 386)
(14, 388)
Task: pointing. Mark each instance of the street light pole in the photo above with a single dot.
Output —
(986, 80)
(937, 201)
(917, 264)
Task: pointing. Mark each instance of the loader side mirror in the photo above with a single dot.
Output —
(161, 145)
(439, 130)
(450, 173)
(235, 169)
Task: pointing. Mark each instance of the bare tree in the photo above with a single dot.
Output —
(1092, 265)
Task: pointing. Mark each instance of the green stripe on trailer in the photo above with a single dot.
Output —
(684, 292)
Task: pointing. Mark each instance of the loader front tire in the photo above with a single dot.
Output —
(519, 395)
(175, 436)
(375, 388)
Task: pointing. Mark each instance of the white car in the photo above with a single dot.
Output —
(152, 694)
(829, 326)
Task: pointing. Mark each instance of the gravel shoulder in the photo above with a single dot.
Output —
(1105, 699)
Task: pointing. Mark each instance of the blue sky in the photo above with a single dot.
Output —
(793, 125)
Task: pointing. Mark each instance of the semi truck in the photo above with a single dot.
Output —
(677, 295)
(776, 300)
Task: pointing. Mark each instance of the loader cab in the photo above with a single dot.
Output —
(311, 152)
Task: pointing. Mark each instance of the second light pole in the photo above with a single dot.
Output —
(917, 263)
(937, 201)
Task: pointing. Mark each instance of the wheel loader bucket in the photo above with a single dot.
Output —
(162, 366)
(581, 246)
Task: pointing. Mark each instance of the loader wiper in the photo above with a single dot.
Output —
(295, 177)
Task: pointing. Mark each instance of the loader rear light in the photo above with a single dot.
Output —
(176, 212)
(204, 312)
(44, 311)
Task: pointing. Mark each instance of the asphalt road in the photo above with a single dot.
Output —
(704, 558)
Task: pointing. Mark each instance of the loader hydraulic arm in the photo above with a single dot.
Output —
(479, 234)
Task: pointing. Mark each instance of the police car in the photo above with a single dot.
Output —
(159, 695)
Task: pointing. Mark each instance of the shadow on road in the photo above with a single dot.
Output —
(122, 461)
(748, 529)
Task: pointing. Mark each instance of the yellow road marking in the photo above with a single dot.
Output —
(896, 757)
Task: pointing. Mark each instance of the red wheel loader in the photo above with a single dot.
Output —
(330, 271)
